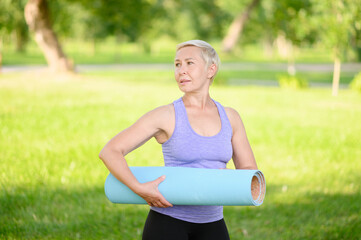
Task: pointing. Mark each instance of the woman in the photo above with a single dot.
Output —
(195, 131)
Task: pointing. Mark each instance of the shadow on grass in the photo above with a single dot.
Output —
(44, 213)
(287, 216)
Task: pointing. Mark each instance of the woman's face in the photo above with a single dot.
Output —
(191, 72)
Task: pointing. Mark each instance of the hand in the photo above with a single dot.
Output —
(150, 193)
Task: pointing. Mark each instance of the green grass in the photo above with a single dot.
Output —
(112, 52)
(162, 51)
(234, 77)
(306, 142)
(225, 77)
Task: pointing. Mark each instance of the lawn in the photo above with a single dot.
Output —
(257, 66)
(52, 128)
(162, 51)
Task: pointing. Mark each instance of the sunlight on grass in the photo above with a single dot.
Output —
(111, 50)
(52, 128)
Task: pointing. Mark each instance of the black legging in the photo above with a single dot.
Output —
(162, 227)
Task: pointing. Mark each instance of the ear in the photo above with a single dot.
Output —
(212, 70)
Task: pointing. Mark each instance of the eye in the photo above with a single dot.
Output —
(190, 63)
(177, 64)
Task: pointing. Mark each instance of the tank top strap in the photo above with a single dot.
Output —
(180, 115)
(178, 106)
(226, 124)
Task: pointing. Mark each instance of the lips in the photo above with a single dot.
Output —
(183, 81)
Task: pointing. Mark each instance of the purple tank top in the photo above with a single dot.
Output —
(186, 148)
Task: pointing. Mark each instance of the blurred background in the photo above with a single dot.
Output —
(75, 73)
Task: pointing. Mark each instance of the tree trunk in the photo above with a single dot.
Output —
(267, 47)
(1, 56)
(21, 38)
(94, 47)
(291, 66)
(236, 28)
(1, 61)
(336, 75)
(38, 20)
(283, 46)
(286, 50)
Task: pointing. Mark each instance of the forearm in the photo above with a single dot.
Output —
(118, 167)
(247, 167)
(245, 160)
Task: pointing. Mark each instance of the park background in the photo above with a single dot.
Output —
(75, 73)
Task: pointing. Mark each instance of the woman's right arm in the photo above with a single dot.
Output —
(114, 152)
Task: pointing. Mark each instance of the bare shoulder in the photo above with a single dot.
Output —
(232, 114)
(234, 119)
(161, 118)
(166, 109)
(162, 112)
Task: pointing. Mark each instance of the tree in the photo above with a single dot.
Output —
(1, 56)
(19, 27)
(4, 28)
(14, 25)
(183, 20)
(207, 18)
(235, 30)
(38, 19)
(337, 17)
(113, 17)
(287, 22)
(356, 31)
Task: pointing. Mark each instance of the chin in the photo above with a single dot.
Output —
(185, 89)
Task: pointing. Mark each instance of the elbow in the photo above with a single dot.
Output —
(101, 155)
(104, 153)
(107, 153)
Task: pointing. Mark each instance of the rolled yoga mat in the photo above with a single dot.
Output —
(194, 186)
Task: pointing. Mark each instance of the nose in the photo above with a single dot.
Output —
(182, 70)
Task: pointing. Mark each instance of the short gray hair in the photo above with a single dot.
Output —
(209, 55)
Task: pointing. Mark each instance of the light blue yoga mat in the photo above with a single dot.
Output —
(194, 186)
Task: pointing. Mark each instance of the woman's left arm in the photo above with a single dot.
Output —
(243, 157)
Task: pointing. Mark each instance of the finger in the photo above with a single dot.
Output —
(164, 202)
(156, 204)
(159, 204)
(159, 180)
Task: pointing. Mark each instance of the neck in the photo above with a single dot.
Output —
(197, 100)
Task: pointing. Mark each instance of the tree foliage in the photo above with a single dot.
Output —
(12, 22)
(336, 31)
(103, 18)
(334, 21)
(301, 22)
(289, 18)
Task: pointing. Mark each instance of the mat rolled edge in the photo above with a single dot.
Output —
(258, 188)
